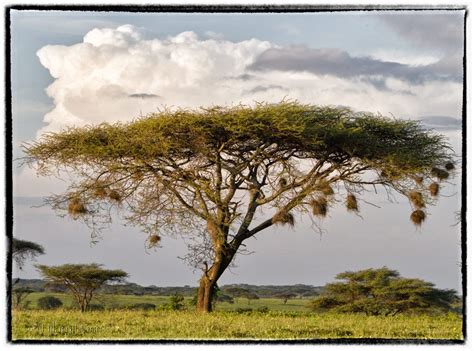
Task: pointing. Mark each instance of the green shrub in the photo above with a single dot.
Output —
(176, 302)
(263, 309)
(246, 310)
(49, 303)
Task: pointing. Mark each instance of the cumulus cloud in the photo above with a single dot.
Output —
(101, 78)
(116, 74)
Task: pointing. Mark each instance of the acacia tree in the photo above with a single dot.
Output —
(23, 250)
(382, 292)
(205, 174)
(81, 279)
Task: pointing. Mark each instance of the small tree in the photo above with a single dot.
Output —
(176, 302)
(23, 250)
(251, 296)
(286, 296)
(82, 280)
(382, 292)
(210, 174)
(19, 295)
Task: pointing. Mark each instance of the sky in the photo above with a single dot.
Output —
(80, 68)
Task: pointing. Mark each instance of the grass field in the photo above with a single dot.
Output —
(120, 301)
(292, 320)
(123, 324)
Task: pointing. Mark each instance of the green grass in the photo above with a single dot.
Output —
(120, 301)
(292, 320)
(124, 324)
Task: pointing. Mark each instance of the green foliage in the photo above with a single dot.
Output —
(312, 130)
(49, 303)
(176, 302)
(23, 250)
(382, 292)
(81, 279)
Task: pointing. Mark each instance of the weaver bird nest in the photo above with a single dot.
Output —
(283, 217)
(319, 206)
(416, 198)
(351, 203)
(417, 217)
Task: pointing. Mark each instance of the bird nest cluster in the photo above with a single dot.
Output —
(417, 217)
(319, 206)
(102, 192)
(434, 189)
(76, 207)
(351, 203)
(416, 198)
(449, 166)
(418, 179)
(114, 195)
(439, 173)
(283, 217)
(326, 189)
(153, 241)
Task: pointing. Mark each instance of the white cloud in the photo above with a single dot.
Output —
(100, 79)
(96, 78)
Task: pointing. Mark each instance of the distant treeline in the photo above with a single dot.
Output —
(263, 291)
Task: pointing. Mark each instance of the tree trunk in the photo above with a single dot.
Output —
(204, 300)
(210, 276)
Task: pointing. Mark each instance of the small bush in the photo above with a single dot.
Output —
(142, 306)
(49, 303)
(176, 302)
(243, 310)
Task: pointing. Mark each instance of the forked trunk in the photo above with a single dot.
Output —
(204, 300)
(209, 278)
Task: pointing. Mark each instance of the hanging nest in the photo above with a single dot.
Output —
(100, 192)
(418, 179)
(114, 195)
(326, 189)
(418, 217)
(76, 207)
(282, 182)
(449, 166)
(153, 241)
(283, 217)
(351, 203)
(439, 173)
(434, 189)
(319, 206)
(416, 199)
